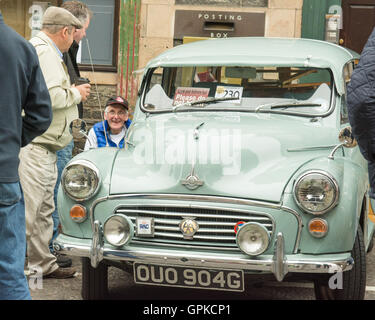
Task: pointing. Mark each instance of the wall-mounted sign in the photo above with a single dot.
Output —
(37, 10)
(332, 28)
(218, 24)
(227, 3)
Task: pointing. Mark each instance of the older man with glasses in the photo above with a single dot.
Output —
(110, 132)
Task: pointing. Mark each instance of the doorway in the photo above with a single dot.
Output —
(358, 22)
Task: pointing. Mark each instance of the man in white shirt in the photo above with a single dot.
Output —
(110, 132)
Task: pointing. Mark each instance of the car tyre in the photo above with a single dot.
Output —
(353, 281)
(94, 280)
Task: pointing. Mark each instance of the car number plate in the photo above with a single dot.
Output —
(189, 277)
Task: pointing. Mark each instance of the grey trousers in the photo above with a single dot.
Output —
(38, 174)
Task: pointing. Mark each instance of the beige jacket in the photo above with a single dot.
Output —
(64, 98)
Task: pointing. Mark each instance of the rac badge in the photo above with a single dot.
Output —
(188, 227)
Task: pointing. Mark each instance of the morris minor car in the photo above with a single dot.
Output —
(239, 162)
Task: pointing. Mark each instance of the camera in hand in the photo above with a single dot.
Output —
(81, 80)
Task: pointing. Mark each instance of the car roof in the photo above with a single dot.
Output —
(259, 51)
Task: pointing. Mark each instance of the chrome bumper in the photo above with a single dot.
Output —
(279, 264)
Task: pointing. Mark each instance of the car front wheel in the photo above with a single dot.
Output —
(349, 285)
(94, 280)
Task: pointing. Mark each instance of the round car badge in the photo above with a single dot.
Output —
(188, 227)
(238, 225)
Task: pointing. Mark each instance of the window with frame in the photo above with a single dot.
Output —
(347, 73)
(100, 47)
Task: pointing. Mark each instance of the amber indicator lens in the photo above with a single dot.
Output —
(318, 227)
(78, 213)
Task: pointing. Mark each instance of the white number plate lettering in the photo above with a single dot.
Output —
(199, 278)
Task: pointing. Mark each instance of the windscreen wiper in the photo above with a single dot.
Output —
(203, 102)
(286, 105)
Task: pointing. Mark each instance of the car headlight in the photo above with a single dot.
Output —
(316, 192)
(118, 230)
(80, 180)
(252, 238)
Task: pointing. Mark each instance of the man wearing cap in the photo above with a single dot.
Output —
(81, 11)
(110, 132)
(37, 170)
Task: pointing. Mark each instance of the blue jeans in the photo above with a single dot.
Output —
(63, 157)
(13, 283)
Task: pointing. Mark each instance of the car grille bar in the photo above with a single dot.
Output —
(216, 224)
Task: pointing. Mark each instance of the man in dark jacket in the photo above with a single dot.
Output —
(83, 14)
(22, 90)
(361, 106)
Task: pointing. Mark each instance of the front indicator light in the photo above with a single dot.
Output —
(318, 227)
(118, 230)
(78, 213)
(252, 238)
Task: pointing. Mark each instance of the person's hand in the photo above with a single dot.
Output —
(84, 90)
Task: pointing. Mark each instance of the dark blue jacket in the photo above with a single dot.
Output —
(100, 136)
(22, 88)
(361, 100)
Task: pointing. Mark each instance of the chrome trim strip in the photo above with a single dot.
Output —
(310, 148)
(279, 267)
(279, 264)
(96, 252)
(211, 199)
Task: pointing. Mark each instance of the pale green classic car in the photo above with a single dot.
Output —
(239, 162)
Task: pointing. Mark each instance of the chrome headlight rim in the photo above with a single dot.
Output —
(91, 166)
(262, 229)
(326, 175)
(125, 240)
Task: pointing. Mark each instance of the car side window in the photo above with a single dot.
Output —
(347, 73)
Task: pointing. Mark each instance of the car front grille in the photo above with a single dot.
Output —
(216, 225)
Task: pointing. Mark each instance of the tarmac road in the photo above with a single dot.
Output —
(122, 287)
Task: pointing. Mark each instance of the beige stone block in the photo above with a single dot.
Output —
(285, 4)
(155, 2)
(159, 21)
(143, 21)
(281, 23)
(298, 25)
(149, 48)
(105, 78)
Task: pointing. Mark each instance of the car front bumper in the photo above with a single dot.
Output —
(279, 263)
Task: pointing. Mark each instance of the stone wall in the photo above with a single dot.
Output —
(283, 18)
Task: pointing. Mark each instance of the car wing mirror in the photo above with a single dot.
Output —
(78, 129)
(346, 137)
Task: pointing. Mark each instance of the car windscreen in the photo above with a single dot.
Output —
(289, 89)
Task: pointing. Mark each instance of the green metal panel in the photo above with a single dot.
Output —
(313, 17)
(128, 48)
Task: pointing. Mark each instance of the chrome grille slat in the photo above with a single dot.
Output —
(180, 236)
(179, 215)
(216, 224)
